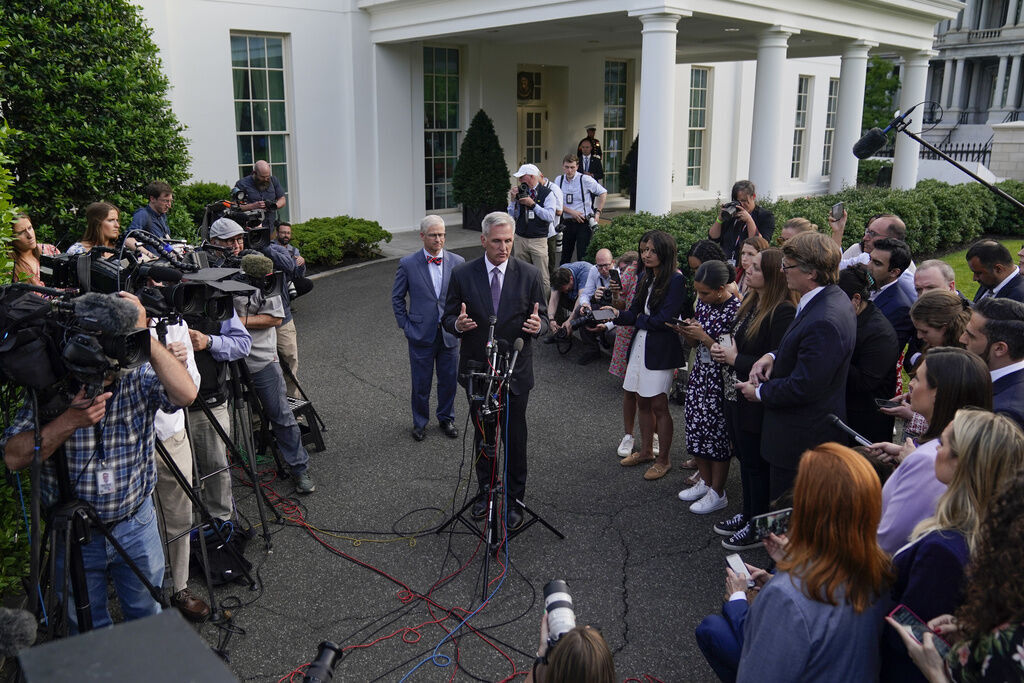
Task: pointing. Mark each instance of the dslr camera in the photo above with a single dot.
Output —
(588, 318)
(592, 222)
(729, 210)
(524, 191)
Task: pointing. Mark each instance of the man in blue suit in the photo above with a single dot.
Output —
(995, 271)
(805, 379)
(996, 333)
(890, 258)
(424, 276)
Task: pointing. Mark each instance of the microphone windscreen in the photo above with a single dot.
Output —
(517, 346)
(871, 142)
(164, 274)
(107, 313)
(17, 631)
(257, 266)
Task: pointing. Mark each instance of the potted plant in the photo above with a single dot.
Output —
(481, 179)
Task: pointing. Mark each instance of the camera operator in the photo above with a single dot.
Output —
(580, 654)
(108, 442)
(262, 191)
(262, 315)
(563, 299)
(215, 345)
(173, 505)
(153, 217)
(584, 201)
(533, 207)
(739, 219)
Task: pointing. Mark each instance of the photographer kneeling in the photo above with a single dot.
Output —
(108, 442)
(579, 655)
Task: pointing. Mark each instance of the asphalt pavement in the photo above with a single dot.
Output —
(640, 566)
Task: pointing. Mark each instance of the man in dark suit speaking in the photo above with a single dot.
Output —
(805, 379)
(424, 277)
(510, 290)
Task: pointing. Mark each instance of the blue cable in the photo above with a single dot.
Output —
(443, 660)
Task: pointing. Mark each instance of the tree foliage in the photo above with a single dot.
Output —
(481, 176)
(880, 88)
(82, 84)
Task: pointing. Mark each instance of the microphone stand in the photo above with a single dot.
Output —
(902, 127)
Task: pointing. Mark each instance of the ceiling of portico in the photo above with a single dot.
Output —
(722, 30)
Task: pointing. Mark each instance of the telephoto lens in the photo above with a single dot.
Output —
(558, 603)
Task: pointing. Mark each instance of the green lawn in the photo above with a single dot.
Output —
(964, 278)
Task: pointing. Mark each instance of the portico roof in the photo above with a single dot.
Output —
(710, 29)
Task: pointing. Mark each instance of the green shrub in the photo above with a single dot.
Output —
(481, 178)
(327, 241)
(1009, 220)
(193, 198)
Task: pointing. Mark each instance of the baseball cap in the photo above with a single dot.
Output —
(223, 228)
(527, 169)
(591, 126)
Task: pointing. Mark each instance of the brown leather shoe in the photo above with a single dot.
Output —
(192, 607)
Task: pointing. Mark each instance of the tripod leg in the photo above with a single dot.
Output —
(288, 373)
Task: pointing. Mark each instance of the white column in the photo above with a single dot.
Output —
(849, 110)
(1011, 14)
(657, 112)
(997, 92)
(970, 10)
(1013, 90)
(767, 132)
(904, 163)
(958, 87)
(947, 82)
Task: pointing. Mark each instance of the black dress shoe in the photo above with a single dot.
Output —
(418, 433)
(515, 518)
(479, 510)
(450, 430)
(588, 357)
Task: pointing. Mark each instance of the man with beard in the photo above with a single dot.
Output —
(262, 191)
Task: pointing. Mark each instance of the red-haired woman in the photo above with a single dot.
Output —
(820, 617)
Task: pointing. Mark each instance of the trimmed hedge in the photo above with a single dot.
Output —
(193, 199)
(939, 216)
(328, 241)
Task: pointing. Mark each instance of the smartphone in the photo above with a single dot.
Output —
(726, 341)
(603, 314)
(613, 275)
(771, 523)
(736, 564)
(837, 211)
(884, 403)
(917, 627)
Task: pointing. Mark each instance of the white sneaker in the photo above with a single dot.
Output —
(695, 492)
(626, 445)
(709, 503)
(655, 447)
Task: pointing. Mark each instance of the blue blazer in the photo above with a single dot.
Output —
(421, 318)
(1008, 396)
(663, 349)
(895, 306)
(1014, 289)
(808, 379)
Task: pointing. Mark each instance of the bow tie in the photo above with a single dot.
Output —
(436, 260)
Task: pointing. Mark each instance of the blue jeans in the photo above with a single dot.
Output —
(140, 538)
(269, 384)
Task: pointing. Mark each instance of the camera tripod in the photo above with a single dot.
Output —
(487, 409)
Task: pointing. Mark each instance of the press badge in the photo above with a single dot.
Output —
(529, 214)
(104, 480)
(568, 198)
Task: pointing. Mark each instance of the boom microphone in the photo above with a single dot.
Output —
(874, 139)
(151, 240)
(843, 426)
(257, 266)
(160, 273)
(17, 631)
(107, 313)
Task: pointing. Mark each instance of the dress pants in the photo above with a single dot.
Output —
(174, 507)
(422, 360)
(511, 436)
(212, 455)
(534, 250)
(576, 235)
(288, 354)
(754, 470)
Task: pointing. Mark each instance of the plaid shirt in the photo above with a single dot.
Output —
(127, 447)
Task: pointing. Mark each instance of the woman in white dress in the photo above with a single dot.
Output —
(655, 351)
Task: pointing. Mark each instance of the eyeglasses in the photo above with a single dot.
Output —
(785, 267)
(872, 233)
(603, 265)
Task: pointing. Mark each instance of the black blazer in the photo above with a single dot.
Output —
(663, 349)
(520, 290)
(596, 169)
(895, 306)
(751, 414)
(1008, 396)
(872, 375)
(1014, 289)
(808, 379)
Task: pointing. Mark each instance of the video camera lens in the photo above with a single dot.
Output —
(558, 604)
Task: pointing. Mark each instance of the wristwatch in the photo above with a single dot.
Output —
(209, 342)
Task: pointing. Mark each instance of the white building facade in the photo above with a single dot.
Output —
(360, 105)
